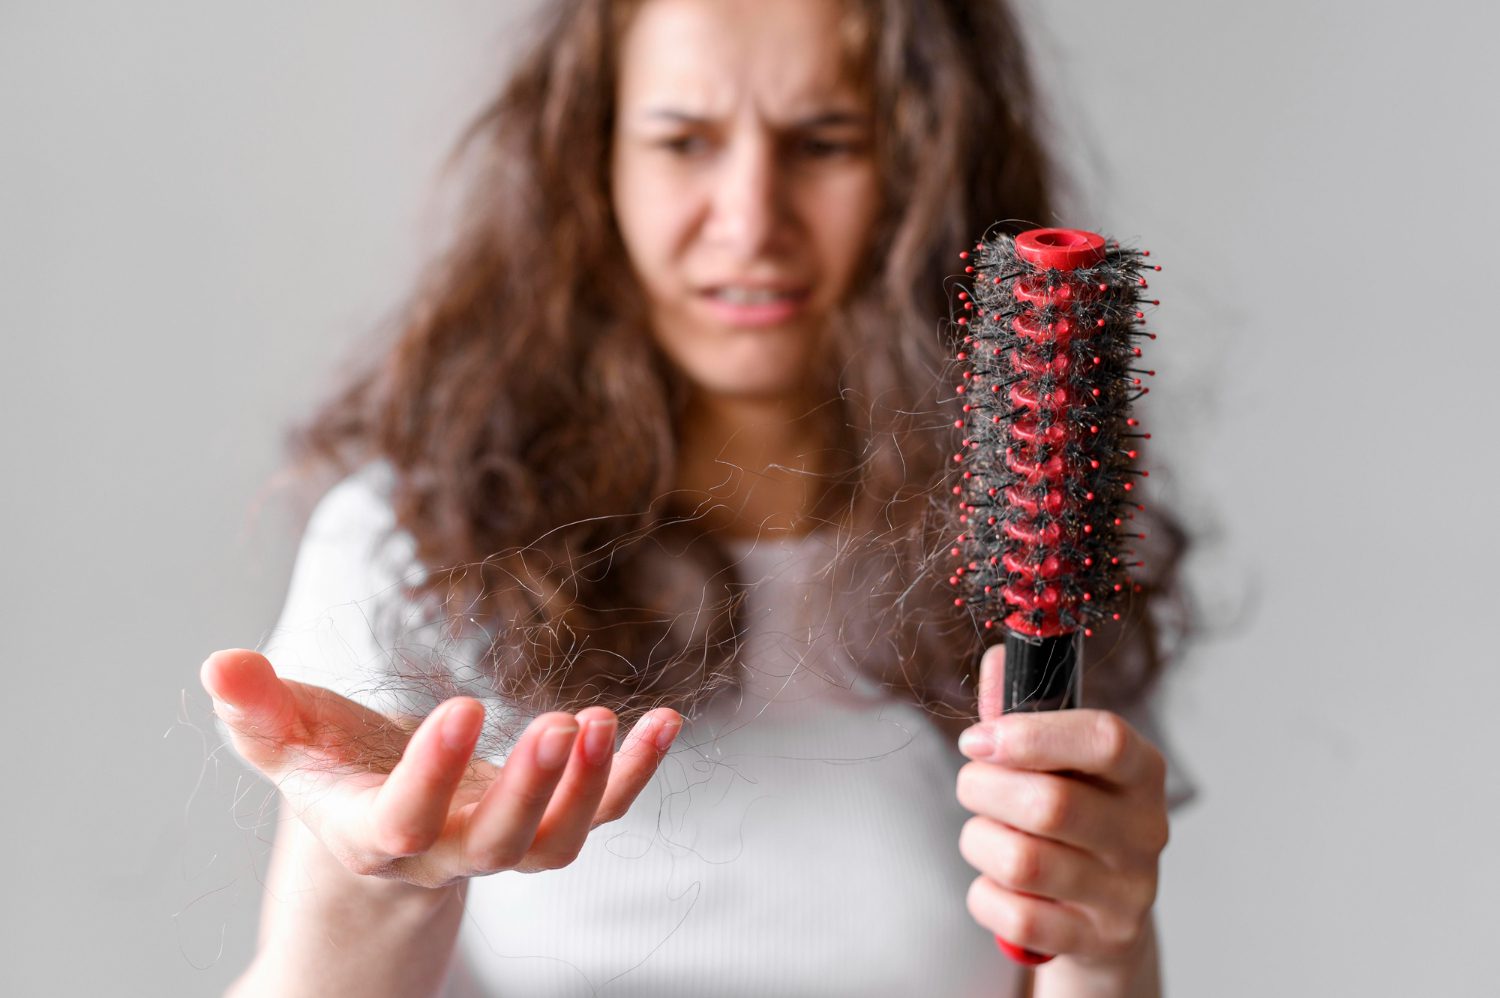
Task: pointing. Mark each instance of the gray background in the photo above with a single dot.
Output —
(203, 206)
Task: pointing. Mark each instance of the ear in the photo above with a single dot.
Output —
(992, 683)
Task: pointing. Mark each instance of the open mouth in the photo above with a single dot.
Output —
(737, 295)
(742, 305)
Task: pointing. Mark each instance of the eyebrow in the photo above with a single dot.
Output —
(823, 119)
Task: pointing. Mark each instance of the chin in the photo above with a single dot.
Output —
(734, 386)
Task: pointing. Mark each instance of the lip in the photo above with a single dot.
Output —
(759, 314)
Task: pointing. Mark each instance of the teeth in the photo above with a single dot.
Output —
(750, 296)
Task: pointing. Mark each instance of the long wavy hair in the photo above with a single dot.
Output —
(532, 424)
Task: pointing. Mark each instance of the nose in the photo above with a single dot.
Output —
(747, 205)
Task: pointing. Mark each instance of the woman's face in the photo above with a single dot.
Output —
(743, 182)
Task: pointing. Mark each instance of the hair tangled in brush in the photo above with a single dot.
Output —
(1047, 458)
(528, 322)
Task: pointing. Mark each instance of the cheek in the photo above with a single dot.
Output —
(652, 214)
(844, 217)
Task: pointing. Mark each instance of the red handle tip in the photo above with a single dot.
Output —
(1026, 957)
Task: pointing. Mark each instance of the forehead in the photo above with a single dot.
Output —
(714, 57)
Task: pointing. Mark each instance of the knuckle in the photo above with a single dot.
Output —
(498, 861)
(1111, 738)
(393, 841)
(966, 788)
(1022, 741)
(1000, 912)
(556, 859)
(977, 901)
(968, 840)
(1140, 896)
(1021, 864)
(496, 857)
(1021, 924)
(403, 844)
(1118, 935)
(1156, 769)
(1051, 809)
(1161, 834)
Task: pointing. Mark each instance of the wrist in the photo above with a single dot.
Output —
(1133, 974)
(398, 899)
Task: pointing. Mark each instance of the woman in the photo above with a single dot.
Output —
(657, 443)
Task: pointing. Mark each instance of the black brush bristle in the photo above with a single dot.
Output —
(1048, 369)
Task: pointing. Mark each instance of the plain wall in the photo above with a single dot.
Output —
(203, 207)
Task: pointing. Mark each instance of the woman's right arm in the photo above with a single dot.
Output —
(383, 821)
(325, 930)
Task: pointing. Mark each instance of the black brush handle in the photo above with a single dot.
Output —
(1042, 673)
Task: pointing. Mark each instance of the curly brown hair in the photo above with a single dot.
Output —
(533, 425)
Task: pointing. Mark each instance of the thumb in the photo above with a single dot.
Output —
(992, 683)
(245, 689)
(269, 715)
(254, 706)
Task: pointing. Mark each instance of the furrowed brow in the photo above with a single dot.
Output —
(830, 119)
(823, 119)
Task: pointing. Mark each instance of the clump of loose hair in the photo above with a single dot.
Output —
(532, 424)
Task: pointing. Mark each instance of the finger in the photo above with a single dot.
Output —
(636, 761)
(411, 807)
(1055, 807)
(268, 714)
(500, 829)
(1037, 924)
(568, 818)
(1097, 743)
(253, 703)
(992, 683)
(1032, 865)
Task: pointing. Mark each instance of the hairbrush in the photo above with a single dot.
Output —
(1050, 322)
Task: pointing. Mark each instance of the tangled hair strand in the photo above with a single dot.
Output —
(532, 424)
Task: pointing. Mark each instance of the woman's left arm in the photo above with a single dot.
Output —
(1070, 819)
(1137, 976)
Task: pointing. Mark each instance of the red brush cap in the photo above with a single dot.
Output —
(1022, 956)
(1060, 249)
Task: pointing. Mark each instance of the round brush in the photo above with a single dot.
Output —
(1051, 323)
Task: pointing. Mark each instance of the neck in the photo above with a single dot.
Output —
(750, 465)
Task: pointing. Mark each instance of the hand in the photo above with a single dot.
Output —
(407, 803)
(1070, 821)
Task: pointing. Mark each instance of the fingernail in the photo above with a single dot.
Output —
(977, 743)
(665, 733)
(456, 730)
(555, 744)
(598, 740)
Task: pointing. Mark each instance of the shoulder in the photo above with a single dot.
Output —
(357, 508)
(347, 605)
(353, 533)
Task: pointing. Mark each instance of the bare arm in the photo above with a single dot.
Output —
(384, 820)
(327, 931)
(1135, 976)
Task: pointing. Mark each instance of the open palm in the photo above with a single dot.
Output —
(403, 798)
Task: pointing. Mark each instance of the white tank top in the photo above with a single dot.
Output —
(801, 838)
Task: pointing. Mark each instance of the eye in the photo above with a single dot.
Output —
(683, 145)
(818, 147)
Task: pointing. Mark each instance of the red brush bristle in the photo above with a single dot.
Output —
(1051, 329)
